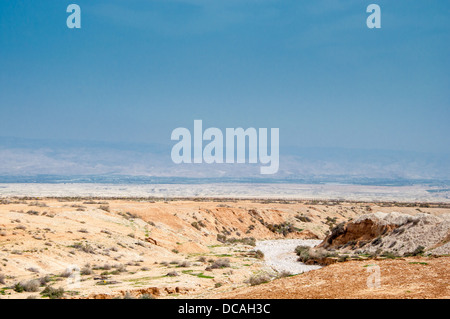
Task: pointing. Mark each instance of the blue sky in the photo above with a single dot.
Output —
(136, 70)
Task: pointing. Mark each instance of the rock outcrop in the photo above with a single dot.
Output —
(393, 233)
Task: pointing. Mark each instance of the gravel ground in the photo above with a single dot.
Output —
(279, 254)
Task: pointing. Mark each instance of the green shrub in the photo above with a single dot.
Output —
(389, 254)
(303, 253)
(172, 274)
(66, 273)
(220, 263)
(221, 238)
(184, 264)
(28, 286)
(86, 270)
(259, 279)
(303, 219)
(284, 274)
(31, 285)
(18, 287)
(104, 208)
(53, 293)
(418, 251)
(44, 280)
(283, 228)
(259, 254)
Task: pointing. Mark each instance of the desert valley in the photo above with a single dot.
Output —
(101, 248)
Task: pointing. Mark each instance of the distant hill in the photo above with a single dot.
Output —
(33, 160)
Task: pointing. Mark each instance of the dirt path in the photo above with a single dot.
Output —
(280, 256)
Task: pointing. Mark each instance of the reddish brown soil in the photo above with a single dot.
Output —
(400, 279)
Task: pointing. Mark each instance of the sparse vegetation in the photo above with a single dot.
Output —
(44, 280)
(302, 253)
(172, 274)
(311, 255)
(28, 286)
(284, 274)
(220, 263)
(250, 241)
(33, 269)
(105, 208)
(53, 293)
(86, 270)
(87, 248)
(304, 219)
(184, 264)
(283, 228)
(196, 225)
(259, 279)
(66, 273)
(389, 255)
(417, 252)
(257, 254)
(202, 259)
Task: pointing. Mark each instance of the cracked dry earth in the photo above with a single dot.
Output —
(415, 277)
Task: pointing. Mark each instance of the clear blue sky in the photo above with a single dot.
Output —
(138, 69)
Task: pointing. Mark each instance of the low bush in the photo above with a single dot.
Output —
(284, 274)
(86, 270)
(28, 286)
(53, 293)
(220, 263)
(259, 254)
(44, 280)
(303, 253)
(259, 279)
(66, 273)
(184, 264)
(172, 274)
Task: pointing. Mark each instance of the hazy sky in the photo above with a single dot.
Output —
(138, 69)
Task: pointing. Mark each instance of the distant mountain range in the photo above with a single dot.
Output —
(54, 161)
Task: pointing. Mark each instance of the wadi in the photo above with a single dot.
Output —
(189, 248)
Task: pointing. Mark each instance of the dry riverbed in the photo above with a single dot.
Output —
(280, 256)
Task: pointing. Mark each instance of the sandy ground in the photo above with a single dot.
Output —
(400, 278)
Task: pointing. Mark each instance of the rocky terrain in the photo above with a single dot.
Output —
(155, 248)
(381, 234)
(409, 254)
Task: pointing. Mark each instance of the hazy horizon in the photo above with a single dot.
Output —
(51, 160)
